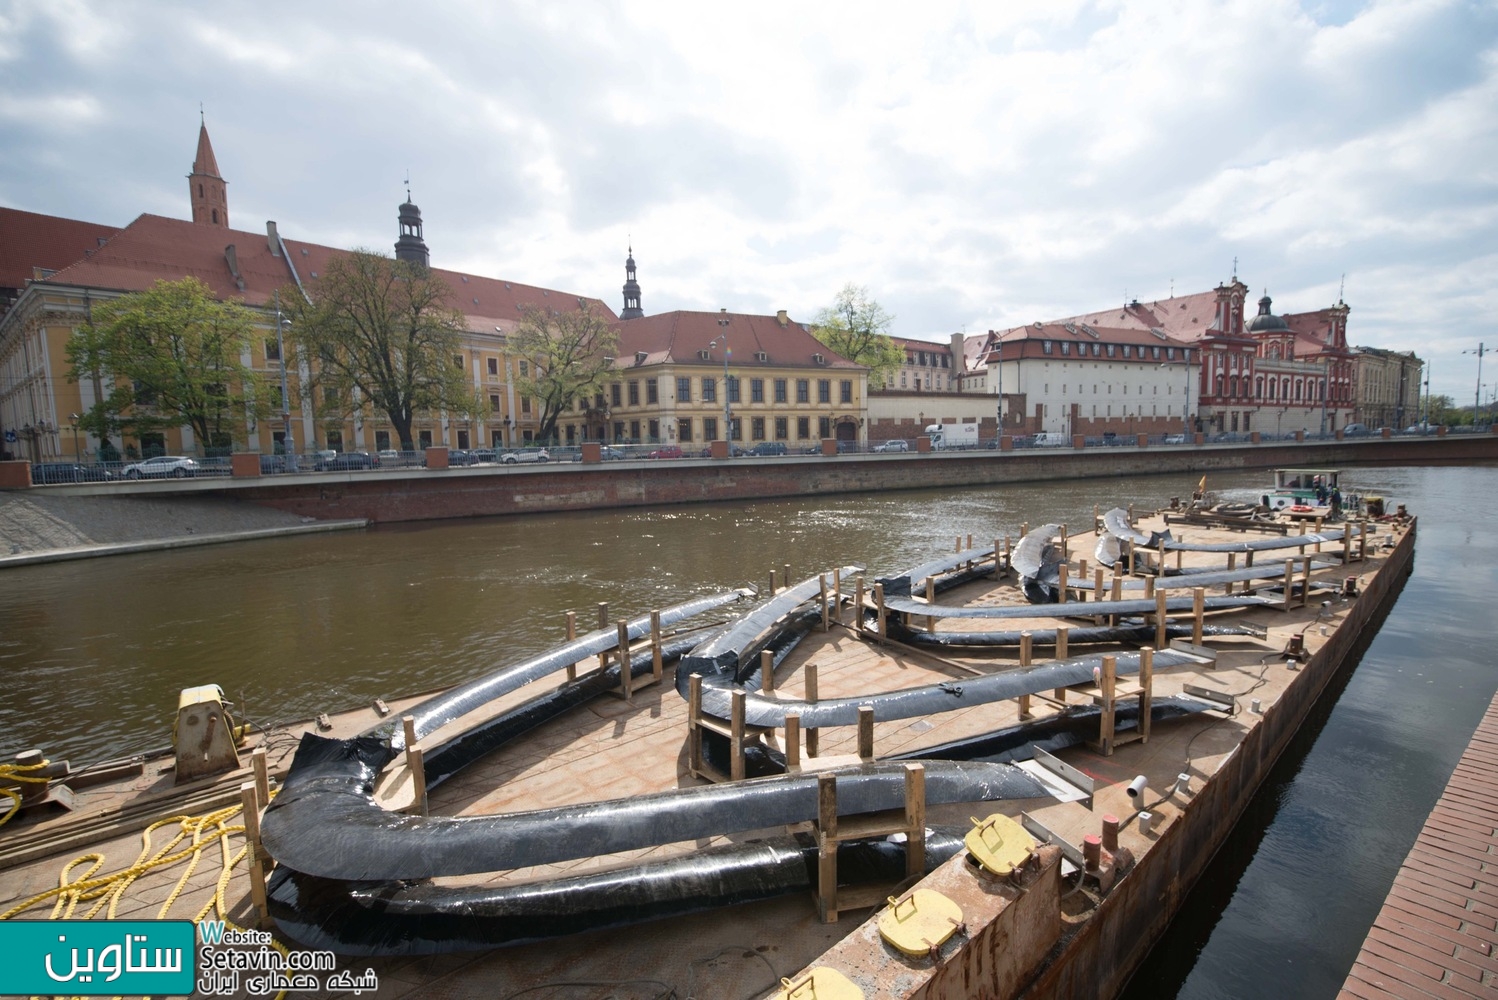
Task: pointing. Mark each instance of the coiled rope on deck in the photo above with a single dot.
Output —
(21, 773)
(106, 891)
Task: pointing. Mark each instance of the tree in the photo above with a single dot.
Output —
(857, 328)
(570, 355)
(378, 333)
(166, 357)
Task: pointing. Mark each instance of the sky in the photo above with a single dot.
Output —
(974, 166)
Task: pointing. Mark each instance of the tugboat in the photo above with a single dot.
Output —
(1305, 493)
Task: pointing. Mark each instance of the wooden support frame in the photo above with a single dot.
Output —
(250, 807)
(572, 637)
(832, 830)
(1110, 691)
(739, 734)
(416, 764)
(809, 695)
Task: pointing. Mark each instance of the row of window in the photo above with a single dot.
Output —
(1119, 350)
(708, 390)
(758, 426)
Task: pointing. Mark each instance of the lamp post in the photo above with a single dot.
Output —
(722, 338)
(1000, 387)
(1326, 382)
(73, 423)
(1186, 437)
(288, 445)
(1477, 401)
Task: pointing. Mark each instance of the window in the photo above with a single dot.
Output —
(824, 427)
(382, 440)
(424, 439)
(525, 404)
(803, 390)
(824, 391)
(709, 390)
(757, 428)
(525, 369)
(272, 350)
(683, 390)
(733, 388)
(598, 401)
(634, 394)
(1065, 347)
(652, 392)
(756, 390)
(494, 402)
(709, 428)
(616, 394)
(780, 396)
(463, 440)
(494, 367)
(1045, 346)
(736, 429)
(618, 431)
(803, 427)
(458, 361)
(845, 390)
(782, 428)
(655, 428)
(634, 430)
(683, 430)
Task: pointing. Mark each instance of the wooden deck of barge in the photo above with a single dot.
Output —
(1437, 930)
(614, 748)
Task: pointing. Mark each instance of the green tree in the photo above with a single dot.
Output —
(166, 357)
(378, 332)
(570, 355)
(857, 328)
(1442, 412)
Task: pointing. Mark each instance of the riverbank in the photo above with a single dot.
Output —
(37, 528)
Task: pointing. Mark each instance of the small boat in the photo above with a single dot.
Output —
(1304, 492)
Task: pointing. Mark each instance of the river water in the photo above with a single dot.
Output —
(94, 653)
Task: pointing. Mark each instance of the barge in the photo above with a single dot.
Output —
(1155, 694)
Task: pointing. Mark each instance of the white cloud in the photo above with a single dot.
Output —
(977, 165)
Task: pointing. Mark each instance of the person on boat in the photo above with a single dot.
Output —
(1336, 498)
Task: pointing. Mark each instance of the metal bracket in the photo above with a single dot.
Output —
(1042, 833)
(1217, 699)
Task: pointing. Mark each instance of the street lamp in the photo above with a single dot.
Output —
(77, 452)
(1477, 402)
(1326, 381)
(722, 338)
(288, 445)
(1186, 411)
(1000, 388)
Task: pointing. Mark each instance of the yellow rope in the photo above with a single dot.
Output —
(108, 890)
(19, 773)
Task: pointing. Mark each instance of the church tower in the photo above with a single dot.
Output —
(410, 246)
(209, 191)
(632, 308)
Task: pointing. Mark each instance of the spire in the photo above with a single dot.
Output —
(410, 246)
(207, 190)
(632, 308)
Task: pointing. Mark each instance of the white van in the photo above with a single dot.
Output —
(1050, 439)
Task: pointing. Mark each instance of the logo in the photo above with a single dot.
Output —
(88, 958)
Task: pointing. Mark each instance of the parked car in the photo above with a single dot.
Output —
(1354, 430)
(607, 453)
(1175, 439)
(346, 460)
(461, 456)
(768, 448)
(68, 472)
(898, 444)
(669, 451)
(526, 455)
(175, 466)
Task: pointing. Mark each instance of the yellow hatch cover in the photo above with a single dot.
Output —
(919, 922)
(999, 843)
(820, 983)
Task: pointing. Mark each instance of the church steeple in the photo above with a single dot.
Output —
(410, 246)
(632, 308)
(209, 191)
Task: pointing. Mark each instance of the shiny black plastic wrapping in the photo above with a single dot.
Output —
(446, 759)
(438, 711)
(731, 650)
(950, 571)
(930, 699)
(1081, 635)
(325, 821)
(397, 918)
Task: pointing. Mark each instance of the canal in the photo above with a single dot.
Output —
(95, 652)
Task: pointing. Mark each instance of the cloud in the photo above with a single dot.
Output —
(980, 166)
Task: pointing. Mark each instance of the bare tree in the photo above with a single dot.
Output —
(570, 355)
